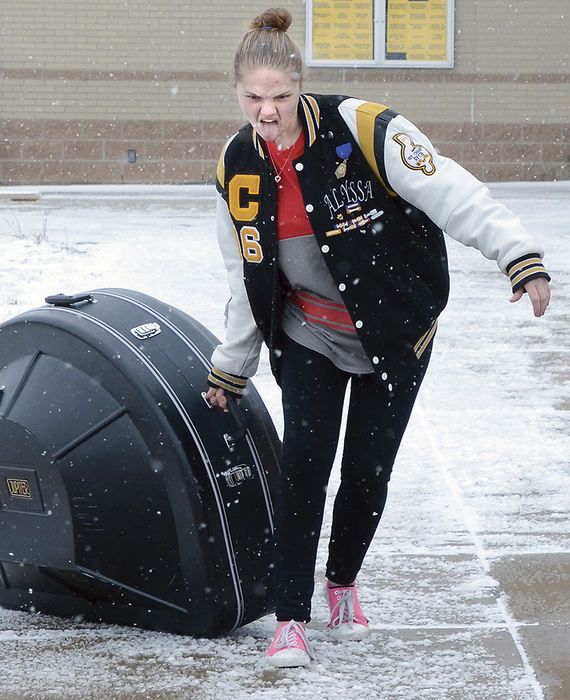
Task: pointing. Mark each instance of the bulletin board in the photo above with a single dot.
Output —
(387, 33)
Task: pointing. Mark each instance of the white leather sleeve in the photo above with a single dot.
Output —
(239, 354)
(452, 197)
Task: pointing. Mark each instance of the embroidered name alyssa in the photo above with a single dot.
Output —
(348, 192)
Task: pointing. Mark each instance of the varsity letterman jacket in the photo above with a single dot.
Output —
(378, 196)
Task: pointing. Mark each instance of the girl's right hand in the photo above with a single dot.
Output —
(217, 397)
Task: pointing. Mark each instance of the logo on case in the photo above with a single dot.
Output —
(237, 475)
(147, 330)
(19, 488)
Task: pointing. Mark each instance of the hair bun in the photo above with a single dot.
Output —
(267, 45)
(274, 18)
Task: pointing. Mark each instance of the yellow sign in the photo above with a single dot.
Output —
(416, 30)
(343, 30)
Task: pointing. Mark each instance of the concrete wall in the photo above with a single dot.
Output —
(82, 83)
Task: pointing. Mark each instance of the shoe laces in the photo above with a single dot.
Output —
(293, 636)
(343, 611)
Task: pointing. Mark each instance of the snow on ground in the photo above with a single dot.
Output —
(482, 477)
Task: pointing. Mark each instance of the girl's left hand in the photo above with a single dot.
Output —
(538, 291)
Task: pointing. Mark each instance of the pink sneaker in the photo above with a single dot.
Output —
(347, 620)
(290, 646)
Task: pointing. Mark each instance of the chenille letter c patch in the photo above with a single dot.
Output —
(414, 156)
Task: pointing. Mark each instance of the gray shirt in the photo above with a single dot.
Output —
(301, 261)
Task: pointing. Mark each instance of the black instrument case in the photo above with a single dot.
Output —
(124, 497)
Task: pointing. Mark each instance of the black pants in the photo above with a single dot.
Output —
(313, 391)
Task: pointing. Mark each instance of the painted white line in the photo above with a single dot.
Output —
(450, 627)
(470, 521)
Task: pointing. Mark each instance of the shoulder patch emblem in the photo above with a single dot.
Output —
(415, 156)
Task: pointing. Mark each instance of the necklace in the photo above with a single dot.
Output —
(278, 174)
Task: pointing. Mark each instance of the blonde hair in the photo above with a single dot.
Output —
(268, 45)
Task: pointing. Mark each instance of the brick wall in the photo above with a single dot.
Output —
(84, 83)
(34, 152)
(96, 151)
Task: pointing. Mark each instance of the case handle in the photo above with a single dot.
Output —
(231, 439)
(68, 299)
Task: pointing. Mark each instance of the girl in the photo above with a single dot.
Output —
(330, 218)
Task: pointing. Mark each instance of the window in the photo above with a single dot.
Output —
(380, 33)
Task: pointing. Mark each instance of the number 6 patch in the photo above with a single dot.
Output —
(250, 245)
(415, 156)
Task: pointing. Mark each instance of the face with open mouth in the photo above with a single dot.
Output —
(268, 98)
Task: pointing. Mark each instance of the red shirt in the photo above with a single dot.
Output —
(293, 222)
(292, 219)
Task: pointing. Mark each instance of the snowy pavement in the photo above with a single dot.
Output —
(467, 582)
